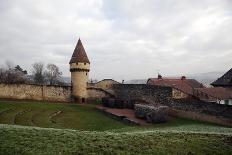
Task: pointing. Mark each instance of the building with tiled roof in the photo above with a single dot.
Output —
(224, 81)
(183, 84)
(104, 84)
(215, 94)
(188, 88)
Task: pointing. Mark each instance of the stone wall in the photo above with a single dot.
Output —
(202, 117)
(105, 84)
(35, 92)
(177, 94)
(97, 93)
(148, 93)
(47, 92)
(184, 107)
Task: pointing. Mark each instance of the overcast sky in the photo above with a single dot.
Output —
(124, 39)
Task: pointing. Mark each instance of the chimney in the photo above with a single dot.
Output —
(159, 76)
(183, 77)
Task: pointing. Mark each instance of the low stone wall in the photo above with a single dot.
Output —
(188, 107)
(201, 107)
(202, 117)
(35, 92)
(98, 93)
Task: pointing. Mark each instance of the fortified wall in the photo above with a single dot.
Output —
(46, 92)
(35, 92)
(147, 93)
(188, 107)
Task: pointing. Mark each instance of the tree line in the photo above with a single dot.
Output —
(41, 74)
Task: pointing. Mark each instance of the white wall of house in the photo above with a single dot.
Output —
(224, 101)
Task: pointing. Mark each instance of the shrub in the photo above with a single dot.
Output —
(151, 113)
(159, 115)
(142, 110)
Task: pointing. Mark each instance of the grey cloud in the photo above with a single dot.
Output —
(124, 39)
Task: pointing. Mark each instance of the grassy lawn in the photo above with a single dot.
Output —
(81, 129)
(49, 115)
(31, 140)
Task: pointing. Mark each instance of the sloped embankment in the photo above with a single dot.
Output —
(34, 140)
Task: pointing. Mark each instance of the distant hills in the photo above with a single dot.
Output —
(206, 78)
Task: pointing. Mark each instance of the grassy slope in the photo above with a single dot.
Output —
(30, 140)
(178, 136)
(41, 114)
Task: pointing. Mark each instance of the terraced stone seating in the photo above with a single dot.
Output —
(28, 117)
(151, 113)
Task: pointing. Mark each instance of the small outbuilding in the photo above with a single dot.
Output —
(105, 83)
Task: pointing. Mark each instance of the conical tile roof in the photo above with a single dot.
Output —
(79, 54)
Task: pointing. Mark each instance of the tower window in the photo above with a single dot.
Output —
(77, 63)
(84, 63)
(86, 73)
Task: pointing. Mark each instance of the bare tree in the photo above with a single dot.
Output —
(53, 74)
(12, 75)
(38, 72)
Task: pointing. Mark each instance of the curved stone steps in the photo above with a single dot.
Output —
(8, 116)
(24, 118)
(43, 118)
(55, 115)
(34, 117)
(4, 110)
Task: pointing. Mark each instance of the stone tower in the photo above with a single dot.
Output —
(79, 68)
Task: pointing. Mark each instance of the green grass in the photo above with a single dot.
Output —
(82, 129)
(31, 140)
(72, 116)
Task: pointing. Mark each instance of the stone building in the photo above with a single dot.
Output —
(190, 88)
(219, 95)
(104, 84)
(79, 68)
(182, 87)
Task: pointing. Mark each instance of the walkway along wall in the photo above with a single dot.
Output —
(187, 108)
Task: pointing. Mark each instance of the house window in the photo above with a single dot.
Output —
(84, 63)
(226, 102)
(86, 73)
(77, 63)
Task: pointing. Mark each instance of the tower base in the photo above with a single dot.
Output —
(81, 100)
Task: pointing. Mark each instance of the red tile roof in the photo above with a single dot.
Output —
(215, 92)
(183, 84)
(79, 54)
